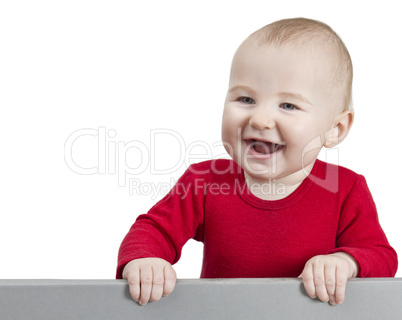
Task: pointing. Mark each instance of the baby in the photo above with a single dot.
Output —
(289, 95)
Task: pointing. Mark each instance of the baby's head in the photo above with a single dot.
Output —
(315, 35)
(289, 95)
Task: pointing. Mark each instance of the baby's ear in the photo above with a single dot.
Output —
(340, 129)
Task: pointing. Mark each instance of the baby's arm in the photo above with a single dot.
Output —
(362, 249)
(149, 279)
(325, 276)
(161, 234)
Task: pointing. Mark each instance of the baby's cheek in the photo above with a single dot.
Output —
(304, 146)
(309, 135)
(232, 126)
(227, 133)
(228, 138)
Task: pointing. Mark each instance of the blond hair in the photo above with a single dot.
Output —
(304, 32)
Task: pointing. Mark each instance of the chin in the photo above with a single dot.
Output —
(261, 172)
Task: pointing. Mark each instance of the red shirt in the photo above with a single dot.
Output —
(247, 237)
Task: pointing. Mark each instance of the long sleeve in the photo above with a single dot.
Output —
(168, 225)
(360, 234)
(245, 236)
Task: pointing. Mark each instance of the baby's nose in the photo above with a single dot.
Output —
(263, 118)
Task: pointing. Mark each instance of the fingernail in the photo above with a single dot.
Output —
(333, 302)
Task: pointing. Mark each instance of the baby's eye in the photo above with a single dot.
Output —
(246, 100)
(288, 106)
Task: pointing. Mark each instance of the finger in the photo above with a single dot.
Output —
(170, 280)
(146, 285)
(157, 283)
(133, 278)
(319, 282)
(340, 287)
(330, 276)
(308, 280)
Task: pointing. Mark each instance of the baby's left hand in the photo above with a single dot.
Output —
(325, 276)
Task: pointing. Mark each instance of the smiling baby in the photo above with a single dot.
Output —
(274, 209)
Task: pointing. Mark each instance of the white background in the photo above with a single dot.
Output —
(133, 66)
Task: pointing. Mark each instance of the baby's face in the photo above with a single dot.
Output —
(277, 110)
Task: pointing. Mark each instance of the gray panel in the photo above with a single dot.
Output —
(377, 298)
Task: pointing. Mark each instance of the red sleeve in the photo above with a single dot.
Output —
(167, 226)
(360, 234)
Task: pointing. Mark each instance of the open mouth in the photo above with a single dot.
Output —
(263, 148)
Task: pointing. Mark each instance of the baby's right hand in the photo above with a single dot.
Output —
(149, 279)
